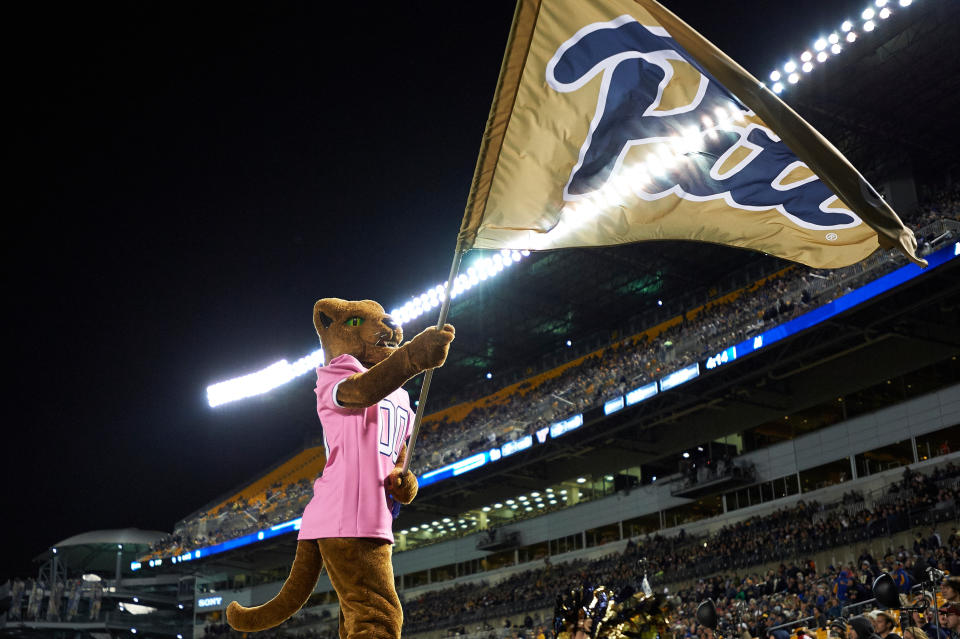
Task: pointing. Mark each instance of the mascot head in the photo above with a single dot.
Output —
(362, 329)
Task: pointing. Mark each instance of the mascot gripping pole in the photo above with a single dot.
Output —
(367, 420)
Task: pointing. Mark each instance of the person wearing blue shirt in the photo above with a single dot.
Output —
(902, 578)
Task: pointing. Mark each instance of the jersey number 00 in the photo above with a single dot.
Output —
(393, 428)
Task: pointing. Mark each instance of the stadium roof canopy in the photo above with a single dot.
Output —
(96, 550)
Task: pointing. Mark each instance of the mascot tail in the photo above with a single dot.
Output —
(295, 592)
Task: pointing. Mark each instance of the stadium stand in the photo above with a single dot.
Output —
(762, 571)
(917, 502)
(589, 381)
(586, 382)
(278, 495)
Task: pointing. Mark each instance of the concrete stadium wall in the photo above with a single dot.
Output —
(911, 418)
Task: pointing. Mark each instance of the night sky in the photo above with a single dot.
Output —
(189, 179)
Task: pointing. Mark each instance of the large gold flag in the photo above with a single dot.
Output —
(615, 122)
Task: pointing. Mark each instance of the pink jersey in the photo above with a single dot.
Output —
(349, 499)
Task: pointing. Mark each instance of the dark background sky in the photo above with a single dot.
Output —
(189, 179)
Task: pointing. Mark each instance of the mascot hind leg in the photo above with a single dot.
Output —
(361, 572)
(294, 593)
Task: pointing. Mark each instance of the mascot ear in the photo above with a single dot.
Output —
(325, 312)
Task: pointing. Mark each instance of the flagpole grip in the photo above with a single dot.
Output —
(428, 376)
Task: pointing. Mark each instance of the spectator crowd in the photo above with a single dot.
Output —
(612, 372)
(796, 589)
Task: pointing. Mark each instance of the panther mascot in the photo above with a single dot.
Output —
(366, 419)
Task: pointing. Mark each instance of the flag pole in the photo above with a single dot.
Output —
(428, 376)
(521, 31)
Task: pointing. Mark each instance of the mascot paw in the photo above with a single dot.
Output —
(402, 488)
(429, 349)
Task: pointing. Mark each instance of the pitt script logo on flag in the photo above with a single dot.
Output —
(703, 143)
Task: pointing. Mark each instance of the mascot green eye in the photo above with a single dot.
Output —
(355, 321)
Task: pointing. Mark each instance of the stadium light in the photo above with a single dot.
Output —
(481, 270)
(282, 372)
(262, 381)
(876, 8)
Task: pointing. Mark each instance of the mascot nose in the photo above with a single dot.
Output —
(389, 323)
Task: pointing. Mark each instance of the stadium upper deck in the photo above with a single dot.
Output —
(216, 526)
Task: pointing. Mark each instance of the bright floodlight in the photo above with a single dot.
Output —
(790, 67)
(806, 56)
(836, 49)
(880, 3)
(793, 78)
(482, 269)
(884, 13)
(868, 13)
(851, 37)
(778, 87)
(834, 38)
(281, 372)
(868, 26)
(847, 25)
(774, 75)
(262, 381)
(807, 67)
(820, 44)
(905, 3)
(822, 56)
